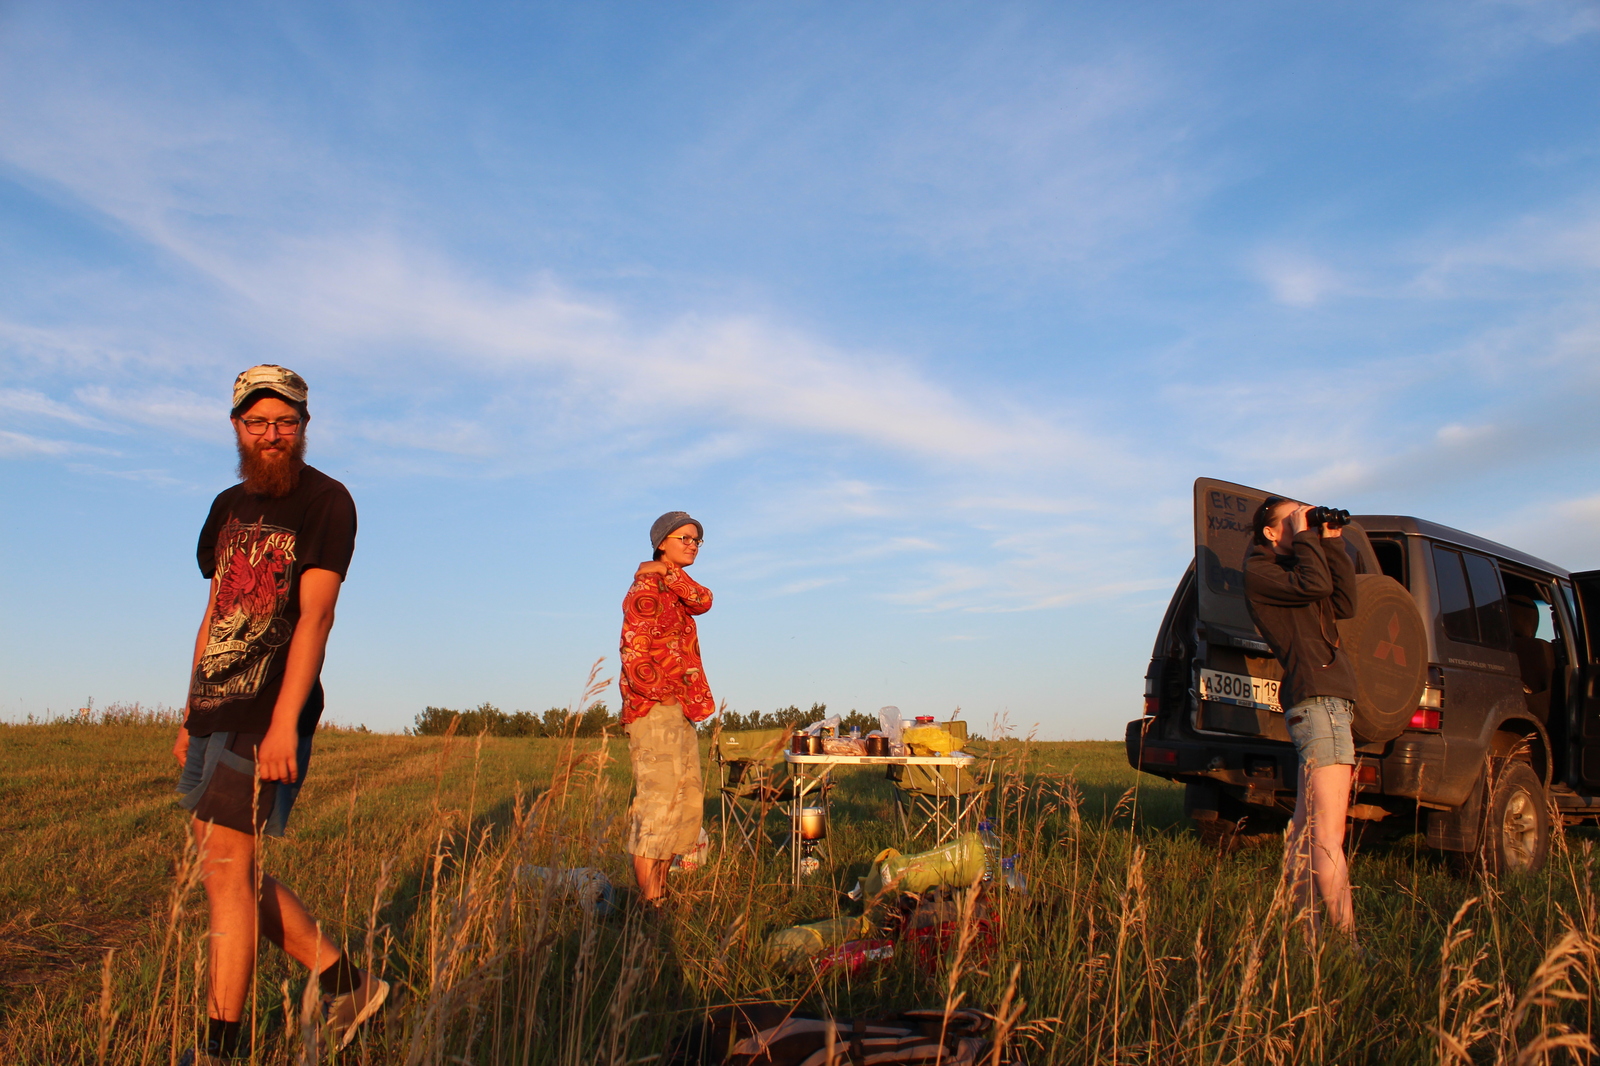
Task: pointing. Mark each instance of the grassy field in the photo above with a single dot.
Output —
(1133, 944)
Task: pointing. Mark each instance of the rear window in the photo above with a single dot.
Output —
(1472, 604)
(1391, 558)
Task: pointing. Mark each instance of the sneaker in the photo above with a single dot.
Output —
(345, 1013)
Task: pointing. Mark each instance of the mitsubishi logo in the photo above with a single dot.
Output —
(1387, 647)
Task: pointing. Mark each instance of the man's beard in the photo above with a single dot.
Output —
(273, 474)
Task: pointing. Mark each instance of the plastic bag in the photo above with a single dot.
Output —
(816, 728)
(957, 865)
(929, 740)
(591, 888)
(889, 721)
(794, 947)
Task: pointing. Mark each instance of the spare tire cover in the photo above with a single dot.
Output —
(1387, 646)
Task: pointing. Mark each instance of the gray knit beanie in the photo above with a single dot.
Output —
(670, 521)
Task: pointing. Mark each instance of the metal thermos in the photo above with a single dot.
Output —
(799, 743)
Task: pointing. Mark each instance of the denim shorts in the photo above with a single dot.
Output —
(218, 784)
(1320, 729)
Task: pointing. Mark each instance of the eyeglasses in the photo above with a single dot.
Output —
(287, 427)
(696, 541)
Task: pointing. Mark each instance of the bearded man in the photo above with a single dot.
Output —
(275, 548)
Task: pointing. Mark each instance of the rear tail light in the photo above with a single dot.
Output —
(1426, 718)
(1152, 705)
(1367, 775)
(1159, 757)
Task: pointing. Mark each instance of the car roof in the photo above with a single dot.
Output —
(1420, 527)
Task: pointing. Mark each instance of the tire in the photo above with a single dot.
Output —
(1515, 836)
(1387, 645)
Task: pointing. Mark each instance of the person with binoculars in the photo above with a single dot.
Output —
(1299, 581)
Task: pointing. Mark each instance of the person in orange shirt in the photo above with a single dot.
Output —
(664, 691)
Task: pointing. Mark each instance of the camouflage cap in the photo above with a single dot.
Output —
(269, 377)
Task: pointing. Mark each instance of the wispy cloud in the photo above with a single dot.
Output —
(30, 402)
(1297, 279)
(24, 445)
(1021, 146)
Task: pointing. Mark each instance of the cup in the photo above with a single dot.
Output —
(813, 823)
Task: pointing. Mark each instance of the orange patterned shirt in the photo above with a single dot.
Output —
(661, 647)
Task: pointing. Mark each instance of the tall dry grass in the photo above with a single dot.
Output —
(1134, 944)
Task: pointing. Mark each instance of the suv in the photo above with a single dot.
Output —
(1478, 711)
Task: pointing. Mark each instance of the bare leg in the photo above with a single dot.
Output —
(652, 877)
(237, 919)
(1318, 826)
(285, 922)
(228, 870)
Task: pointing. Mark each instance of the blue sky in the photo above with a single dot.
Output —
(931, 312)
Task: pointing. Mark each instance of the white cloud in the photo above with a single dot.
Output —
(30, 402)
(182, 410)
(24, 445)
(1013, 149)
(806, 585)
(1297, 279)
(1561, 530)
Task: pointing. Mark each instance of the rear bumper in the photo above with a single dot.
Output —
(1410, 768)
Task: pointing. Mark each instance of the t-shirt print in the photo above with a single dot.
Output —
(255, 573)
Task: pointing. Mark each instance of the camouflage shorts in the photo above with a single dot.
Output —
(668, 794)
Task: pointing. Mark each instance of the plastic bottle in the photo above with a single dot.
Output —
(855, 732)
(991, 849)
(1014, 881)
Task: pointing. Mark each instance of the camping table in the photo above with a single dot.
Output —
(818, 766)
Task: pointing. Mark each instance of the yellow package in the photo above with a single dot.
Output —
(929, 740)
(794, 947)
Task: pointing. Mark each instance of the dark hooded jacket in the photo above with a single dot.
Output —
(1296, 601)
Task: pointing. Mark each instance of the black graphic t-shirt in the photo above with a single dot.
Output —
(256, 547)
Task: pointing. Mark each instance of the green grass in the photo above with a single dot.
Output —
(1135, 943)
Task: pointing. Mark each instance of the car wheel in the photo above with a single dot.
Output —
(1516, 824)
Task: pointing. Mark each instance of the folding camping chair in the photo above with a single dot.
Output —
(939, 800)
(754, 780)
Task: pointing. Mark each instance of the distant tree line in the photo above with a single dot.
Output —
(560, 722)
(788, 718)
(486, 717)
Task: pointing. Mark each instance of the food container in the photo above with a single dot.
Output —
(799, 743)
(877, 744)
(813, 744)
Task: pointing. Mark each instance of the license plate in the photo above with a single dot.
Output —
(1237, 689)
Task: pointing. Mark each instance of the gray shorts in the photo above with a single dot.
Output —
(1320, 729)
(218, 784)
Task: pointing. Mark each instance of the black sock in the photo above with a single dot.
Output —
(339, 978)
(223, 1038)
